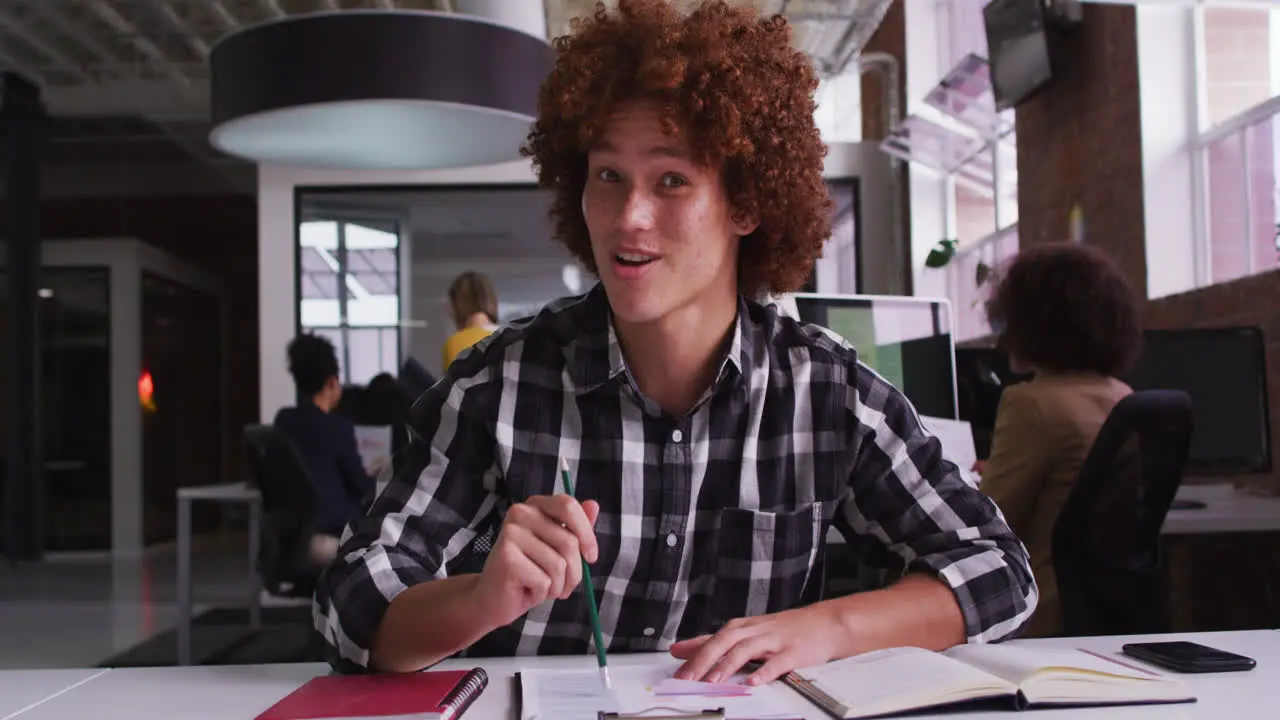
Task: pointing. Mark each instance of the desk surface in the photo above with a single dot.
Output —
(1227, 510)
(226, 491)
(242, 692)
(21, 689)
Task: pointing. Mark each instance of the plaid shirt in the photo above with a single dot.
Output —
(718, 514)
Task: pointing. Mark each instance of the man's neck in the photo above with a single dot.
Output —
(674, 360)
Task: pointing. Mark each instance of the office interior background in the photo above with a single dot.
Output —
(171, 275)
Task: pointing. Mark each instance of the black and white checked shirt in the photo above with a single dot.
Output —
(704, 518)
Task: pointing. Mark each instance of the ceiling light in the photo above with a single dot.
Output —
(393, 90)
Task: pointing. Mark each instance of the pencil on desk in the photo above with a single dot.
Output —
(590, 590)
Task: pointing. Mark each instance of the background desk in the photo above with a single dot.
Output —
(242, 692)
(1227, 510)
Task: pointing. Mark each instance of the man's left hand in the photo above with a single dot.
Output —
(784, 641)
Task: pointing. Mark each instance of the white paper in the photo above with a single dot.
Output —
(580, 695)
(373, 442)
(956, 437)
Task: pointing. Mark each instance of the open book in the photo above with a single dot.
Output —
(901, 680)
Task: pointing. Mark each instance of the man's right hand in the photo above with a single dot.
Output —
(538, 556)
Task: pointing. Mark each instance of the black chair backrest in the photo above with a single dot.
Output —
(288, 498)
(278, 472)
(1106, 542)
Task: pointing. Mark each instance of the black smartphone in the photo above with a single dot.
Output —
(1188, 657)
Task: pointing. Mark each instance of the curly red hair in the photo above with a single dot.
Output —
(732, 84)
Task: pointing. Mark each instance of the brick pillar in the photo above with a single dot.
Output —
(1080, 141)
(890, 38)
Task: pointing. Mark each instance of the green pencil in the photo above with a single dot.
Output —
(590, 590)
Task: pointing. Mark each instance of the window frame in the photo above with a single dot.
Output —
(1236, 127)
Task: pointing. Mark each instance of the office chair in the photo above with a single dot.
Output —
(1106, 541)
(277, 470)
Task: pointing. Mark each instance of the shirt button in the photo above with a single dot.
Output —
(672, 540)
(676, 435)
(649, 632)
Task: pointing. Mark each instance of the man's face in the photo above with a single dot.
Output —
(662, 230)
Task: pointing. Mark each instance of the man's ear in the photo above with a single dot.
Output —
(744, 223)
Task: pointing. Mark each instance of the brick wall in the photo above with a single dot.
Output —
(1079, 141)
(219, 235)
(890, 38)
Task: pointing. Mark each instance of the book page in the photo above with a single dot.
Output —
(1018, 664)
(580, 695)
(902, 678)
(1066, 676)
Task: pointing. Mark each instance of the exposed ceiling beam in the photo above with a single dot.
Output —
(76, 33)
(197, 45)
(274, 9)
(59, 58)
(229, 22)
(108, 15)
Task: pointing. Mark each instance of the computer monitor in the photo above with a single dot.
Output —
(1225, 372)
(907, 340)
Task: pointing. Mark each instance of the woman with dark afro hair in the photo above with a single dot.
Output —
(703, 432)
(1069, 316)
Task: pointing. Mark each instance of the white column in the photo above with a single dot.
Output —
(126, 410)
(927, 189)
(1174, 207)
(277, 296)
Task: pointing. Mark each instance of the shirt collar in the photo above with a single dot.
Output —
(595, 356)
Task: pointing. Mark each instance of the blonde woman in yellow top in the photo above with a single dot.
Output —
(475, 313)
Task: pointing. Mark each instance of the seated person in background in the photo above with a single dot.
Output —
(326, 442)
(474, 305)
(716, 441)
(1069, 316)
(388, 404)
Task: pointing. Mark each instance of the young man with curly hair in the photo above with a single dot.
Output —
(716, 441)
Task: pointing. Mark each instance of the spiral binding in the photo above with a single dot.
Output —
(466, 692)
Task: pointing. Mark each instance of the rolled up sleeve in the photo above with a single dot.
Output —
(905, 495)
(441, 497)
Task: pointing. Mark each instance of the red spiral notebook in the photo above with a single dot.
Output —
(434, 695)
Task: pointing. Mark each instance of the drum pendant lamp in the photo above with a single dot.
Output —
(376, 90)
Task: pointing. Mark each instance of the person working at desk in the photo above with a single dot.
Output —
(1069, 316)
(716, 440)
(325, 441)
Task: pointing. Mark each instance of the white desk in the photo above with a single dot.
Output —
(239, 493)
(1227, 510)
(20, 690)
(242, 692)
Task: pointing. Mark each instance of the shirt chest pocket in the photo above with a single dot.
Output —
(764, 561)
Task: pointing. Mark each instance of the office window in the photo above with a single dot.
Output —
(1241, 50)
(348, 273)
(839, 111)
(977, 212)
(972, 276)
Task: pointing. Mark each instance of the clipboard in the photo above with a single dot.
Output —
(653, 713)
(717, 714)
